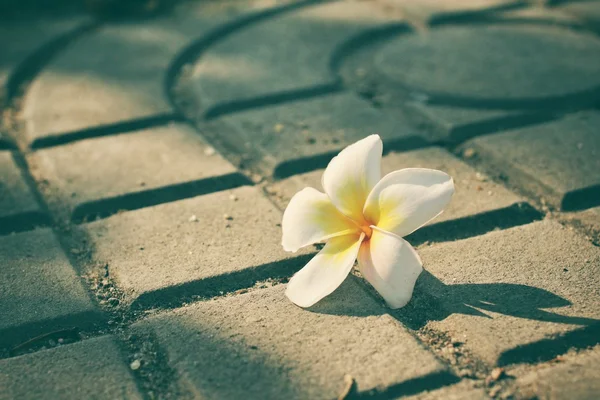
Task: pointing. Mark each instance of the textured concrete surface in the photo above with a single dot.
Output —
(182, 242)
(563, 169)
(589, 219)
(569, 377)
(471, 54)
(112, 74)
(92, 369)
(273, 56)
(127, 164)
(15, 196)
(269, 348)
(291, 138)
(40, 291)
(164, 142)
(507, 289)
(469, 95)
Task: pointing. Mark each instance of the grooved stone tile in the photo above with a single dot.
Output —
(304, 135)
(576, 376)
(508, 289)
(92, 369)
(475, 193)
(126, 164)
(15, 196)
(159, 247)
(558, 161)
(40, 291)
(285, 52)
(115, 73)
(469, 95)
(589, 218)
(267, 347)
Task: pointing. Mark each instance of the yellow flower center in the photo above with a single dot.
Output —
(367, 230)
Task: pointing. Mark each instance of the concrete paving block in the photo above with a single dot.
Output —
(283, 140)
(272, 55)
(113, 74)
(451, 75)
(92, 369)
(40, 291)
(205, 243)
(267, 347)
(129, 164)
(557, 161)
(573, 376)
(503, 293)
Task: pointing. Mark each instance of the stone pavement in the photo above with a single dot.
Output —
(145, 163)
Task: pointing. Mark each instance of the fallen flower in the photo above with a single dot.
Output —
(364, 216)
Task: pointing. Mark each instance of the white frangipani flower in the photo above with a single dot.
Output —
(364, 216)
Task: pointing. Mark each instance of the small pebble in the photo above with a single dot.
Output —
(278, 128)
(209, 151)
(227, 217)
(469, 153)
(233, 197)
(135, 365)
(113, 301)
(193, 218)
(497, 373)
(480, 176)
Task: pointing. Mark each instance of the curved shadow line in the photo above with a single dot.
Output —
(574, 101)
(195, 50)
(362, 39)
(451, 17)
(31, 66)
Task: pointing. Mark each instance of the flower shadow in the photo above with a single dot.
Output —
(434, 300)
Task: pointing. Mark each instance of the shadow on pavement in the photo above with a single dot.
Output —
(435, 301)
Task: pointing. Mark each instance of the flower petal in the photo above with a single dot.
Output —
(310, 217)
(350, 176)
(391, 265)
(325, 272)
(407, 199)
